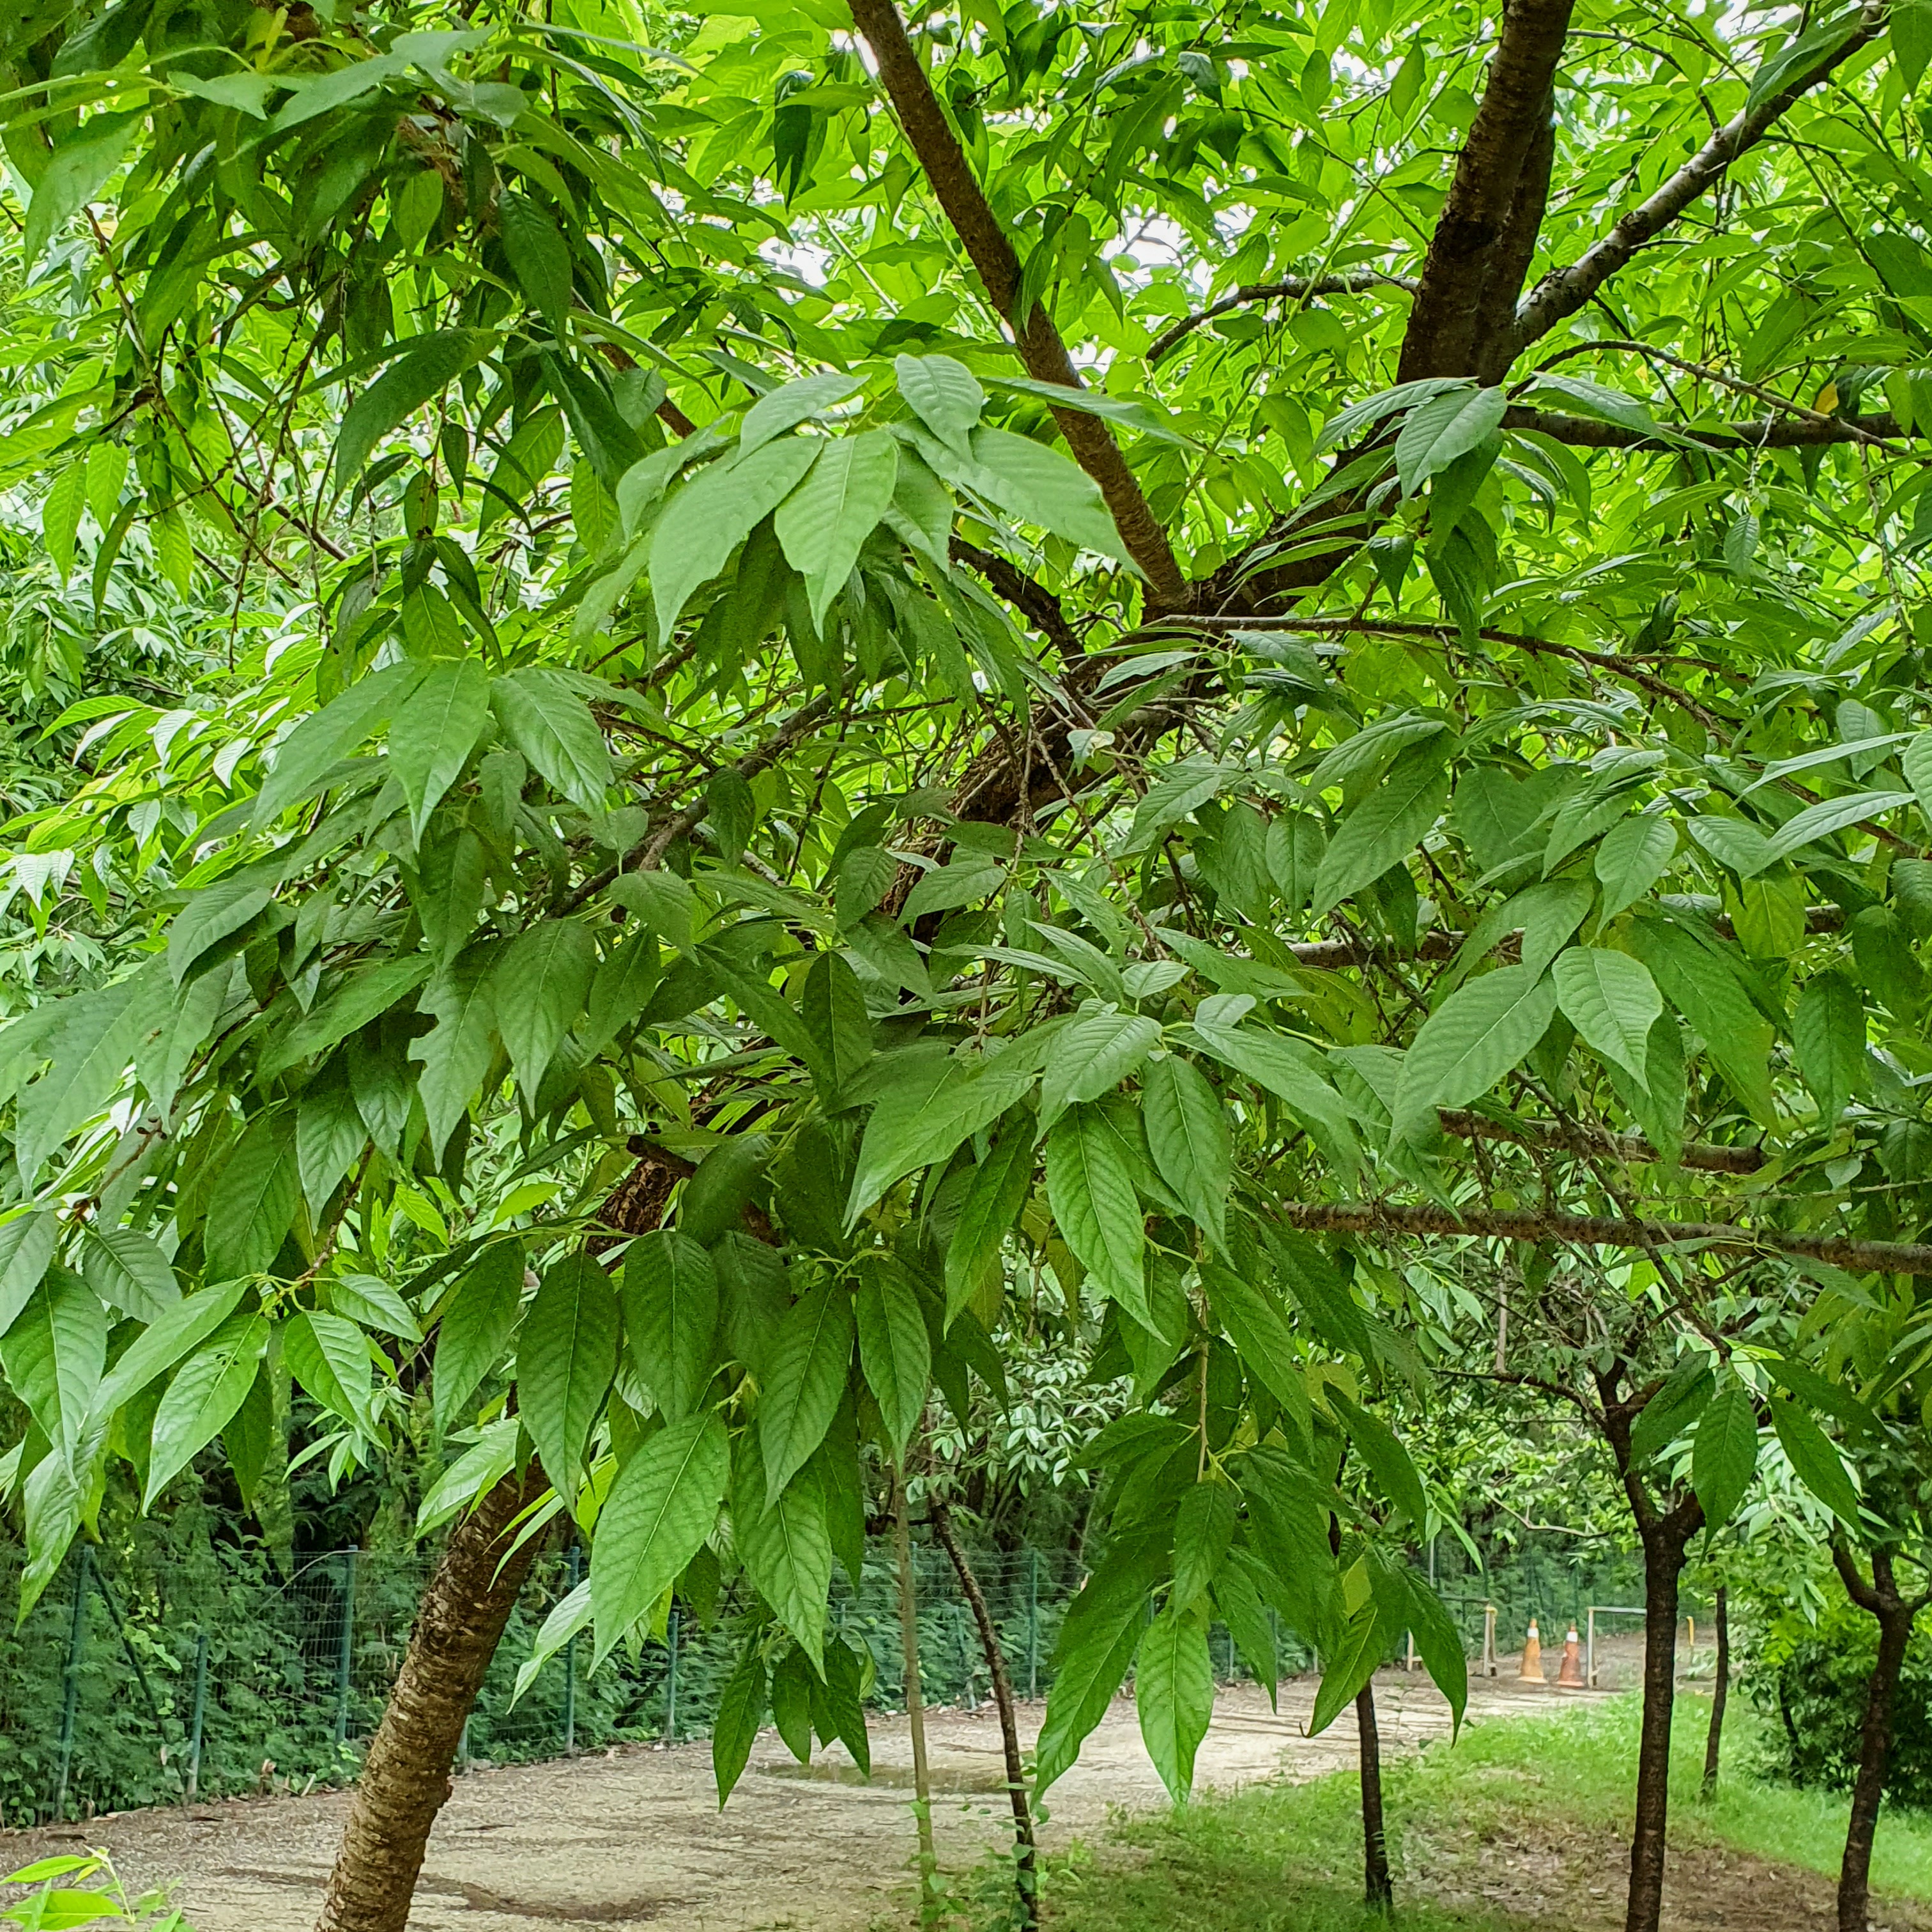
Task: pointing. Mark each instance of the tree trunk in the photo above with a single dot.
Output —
(1714, 1740)
(1895, 1615)
(915, 1700)
(406, 1781)
(1379, 1888)
(1663, 1549)
(1025, 1868)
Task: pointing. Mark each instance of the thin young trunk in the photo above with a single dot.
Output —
(1663, 1564)
(1714, 1740)
(1026, 1874)
(915, 1700)
(1895, 1615)
(406, 1779)
(1378, 1887)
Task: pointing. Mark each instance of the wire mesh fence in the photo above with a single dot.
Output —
(217, 1675)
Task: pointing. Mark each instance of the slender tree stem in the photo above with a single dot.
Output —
(1378, 1887)
(915, 1701)
(1714, 1740)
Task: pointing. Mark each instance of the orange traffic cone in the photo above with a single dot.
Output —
(1570, 1676)
(1531, 1671)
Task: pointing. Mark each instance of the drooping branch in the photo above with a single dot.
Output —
(1605, 1231)
(1032, 599)
(1293, 288)
(1564, 291)
(1480, 225)
(1703, 1155)
(950, 175)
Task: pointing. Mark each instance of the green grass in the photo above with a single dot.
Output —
(1287, 1857)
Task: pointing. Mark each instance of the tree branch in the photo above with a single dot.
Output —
(1466, 246)
(1802, 432)
(1032, 599)
(1564, 291)
(960, 195)
(1605, 1231)
(1572, 1139)
(1294, 288)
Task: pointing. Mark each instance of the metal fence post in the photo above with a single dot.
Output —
(76, 1643)
(191, 1785)
(570, 1667)
(671, 1680)
(345, 1651)
(1033, 1623)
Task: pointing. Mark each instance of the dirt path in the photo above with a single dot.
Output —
(636, 1839)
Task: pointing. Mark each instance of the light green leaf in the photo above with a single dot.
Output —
(90, 1048)
(60, 516)
(660, 1510)
(1815, 1457)
(1476, 1035)
(539, 987)
(833, 1009)
(1190, 1139)
(1174, 1693)
(1830, 815)
(53, 1353)
(894, 1350)
(1434, 433)
(1612, 1001)
(1389, 1463)
(1723, 1455)
(1828, 1032)
(164, 1343)
(566, 1356)
(1386, 826)
(791, 403)
(1289, 1069)
(425, 367)
(1094, 1055)
(1262, 1339)
(201, 1401)
(785, 1543)
(805, 1380)
(1204, 1530)
(945, 396)
(824, 522)
(999, 1188)
(670, 1318)
(1038, 485)
(27, 1243)
(475, 1327)
(1634, 854)
(126, 1269)
(1091, 1190)
(543, 714)
(431, 736)
(359, 997)
(74, 176)
(253, 1207)
(457, 1053)
(330, 1358)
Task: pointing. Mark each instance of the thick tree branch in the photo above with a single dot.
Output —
(951, 178)
(1700, 1154)
(1564, 291)
(1479, 225)
(1032, 599)
(1515, 249)
(1294, 288)
(1605, 1231)
(1809, 430)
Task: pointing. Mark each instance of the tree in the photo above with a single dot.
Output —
(1212, 812)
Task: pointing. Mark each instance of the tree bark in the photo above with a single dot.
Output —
(1715, 1738)
(1895, 1615)
(1025, 1866)
(915, 1698)
(405, 1780)
(1378, 1887)
(1664, 1543)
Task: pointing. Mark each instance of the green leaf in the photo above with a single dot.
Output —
(1698, 980)
(1190, 1139)
(670, 1318)
(1830, 815)
(329, 1134)
(431, 736)
(539, 256)
(741, 1710)
(305, 757)
(1634, 854)
(371, 1303)
(359, 998)
(251, 1210)
(1352, 1665)
(1673, 1409)
(53, 1353)
(539, 986)
(476, 1324)
(74, 176)
(1173, 1692)
(90, 1048)
(566, 1356)
(998, 1190)
(1388, 1461)
(1434, 433)
(1387, 825)
(330, 1358)
(60, 516)
(1815, 1457)
(543, 714)
(472, 1476)
(1091, 1190)
(661, 1509)
(427, 365)
(1723, 1458)
(1828, 1032)
(1287, 1068)
(945, 396)
(212, 916)
(833, 1008)
(27, 1244)
(825, 521)
(126, 1269)
(1910, 27)
(1262, 1339)
(457, 1053)
(201, 1401)
(791, 403)
(1439, 1644)
(1612, 1001)
(152, 1353)
(1204, 1530)
(1476, 1035)
(786, 1547)
(805, 1380)
(1096, 1053)
(1038, 485)
(894, 1350)
(707, 518)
